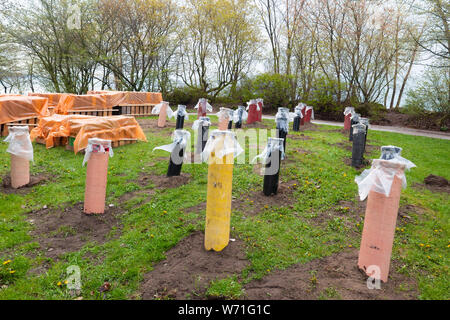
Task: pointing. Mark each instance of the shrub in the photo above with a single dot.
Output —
(273, 88)
(431, 95)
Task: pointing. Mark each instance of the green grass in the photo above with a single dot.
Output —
(275, 238)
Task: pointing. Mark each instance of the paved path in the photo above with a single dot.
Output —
(403, 130)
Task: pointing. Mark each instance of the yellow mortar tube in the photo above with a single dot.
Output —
(218, 203)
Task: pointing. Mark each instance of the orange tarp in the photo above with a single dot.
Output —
(85, 127)
(132, 97)
(53, 98)
(52, 127)
(69, 102)
(109, 128)
(15, 108)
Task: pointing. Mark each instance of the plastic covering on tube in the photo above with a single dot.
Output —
(253, 102)
(181, 111)
(203, 100)
(298, 111)
(272, 145)
(203, 121)
(355, 116)
(157, 109)
(312, 111)
(359, 127)
(283, 117)
(179, 137)
(230, 145)
(96, 145)
(349, 110)
(225, 114)
(240, 114)
(380, 176)
(20, 142)
(15, 108)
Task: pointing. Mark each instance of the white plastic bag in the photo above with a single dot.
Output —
(283, 117)
(230, 145)
(240, 114)
(349, 110)
(98, 146)
(225, 114)
(157, 109)
(253, 102)
(203, 121)
(380, 176)
(312, 111)
(20, 142)
(204, 101)
(272, 145)
(181, 111)
(298, 111)
(179, 137)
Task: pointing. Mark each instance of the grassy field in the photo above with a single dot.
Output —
(314, 223)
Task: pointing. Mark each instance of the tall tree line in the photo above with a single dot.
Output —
(357, 50)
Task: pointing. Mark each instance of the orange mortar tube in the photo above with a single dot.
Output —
(20, 171)
(162, 116)
(96, 180)
(379, 227)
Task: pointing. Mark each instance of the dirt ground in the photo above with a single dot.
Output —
(35, 180)
(189, 268)
(333, 277)
(435, 184)
(59, 231)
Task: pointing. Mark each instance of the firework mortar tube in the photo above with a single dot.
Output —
(252, 109)
(260, 103)
(202, 107)
(21, 151)
(181, 115)
(164, 111)
(225, 116)
(353, 120)
(230, 121)
(365, 121)
(201, 126)
(359, 134)
(177, 150)
(298, 115)
(271, 159)
(282, 119)
(221, 149)
(382, 186)
(96, 155)
(239, 116)
(348, 112)
(309, 113)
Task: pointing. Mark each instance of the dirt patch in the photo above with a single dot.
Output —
(68, 230)
(365, 163)
(435, 184)
(344, 145)
(333, 277)
(189, 268)
(197, 208)
(254, 202)
(298, 137)
(35, 180)
(427, 121)
(164, 182)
